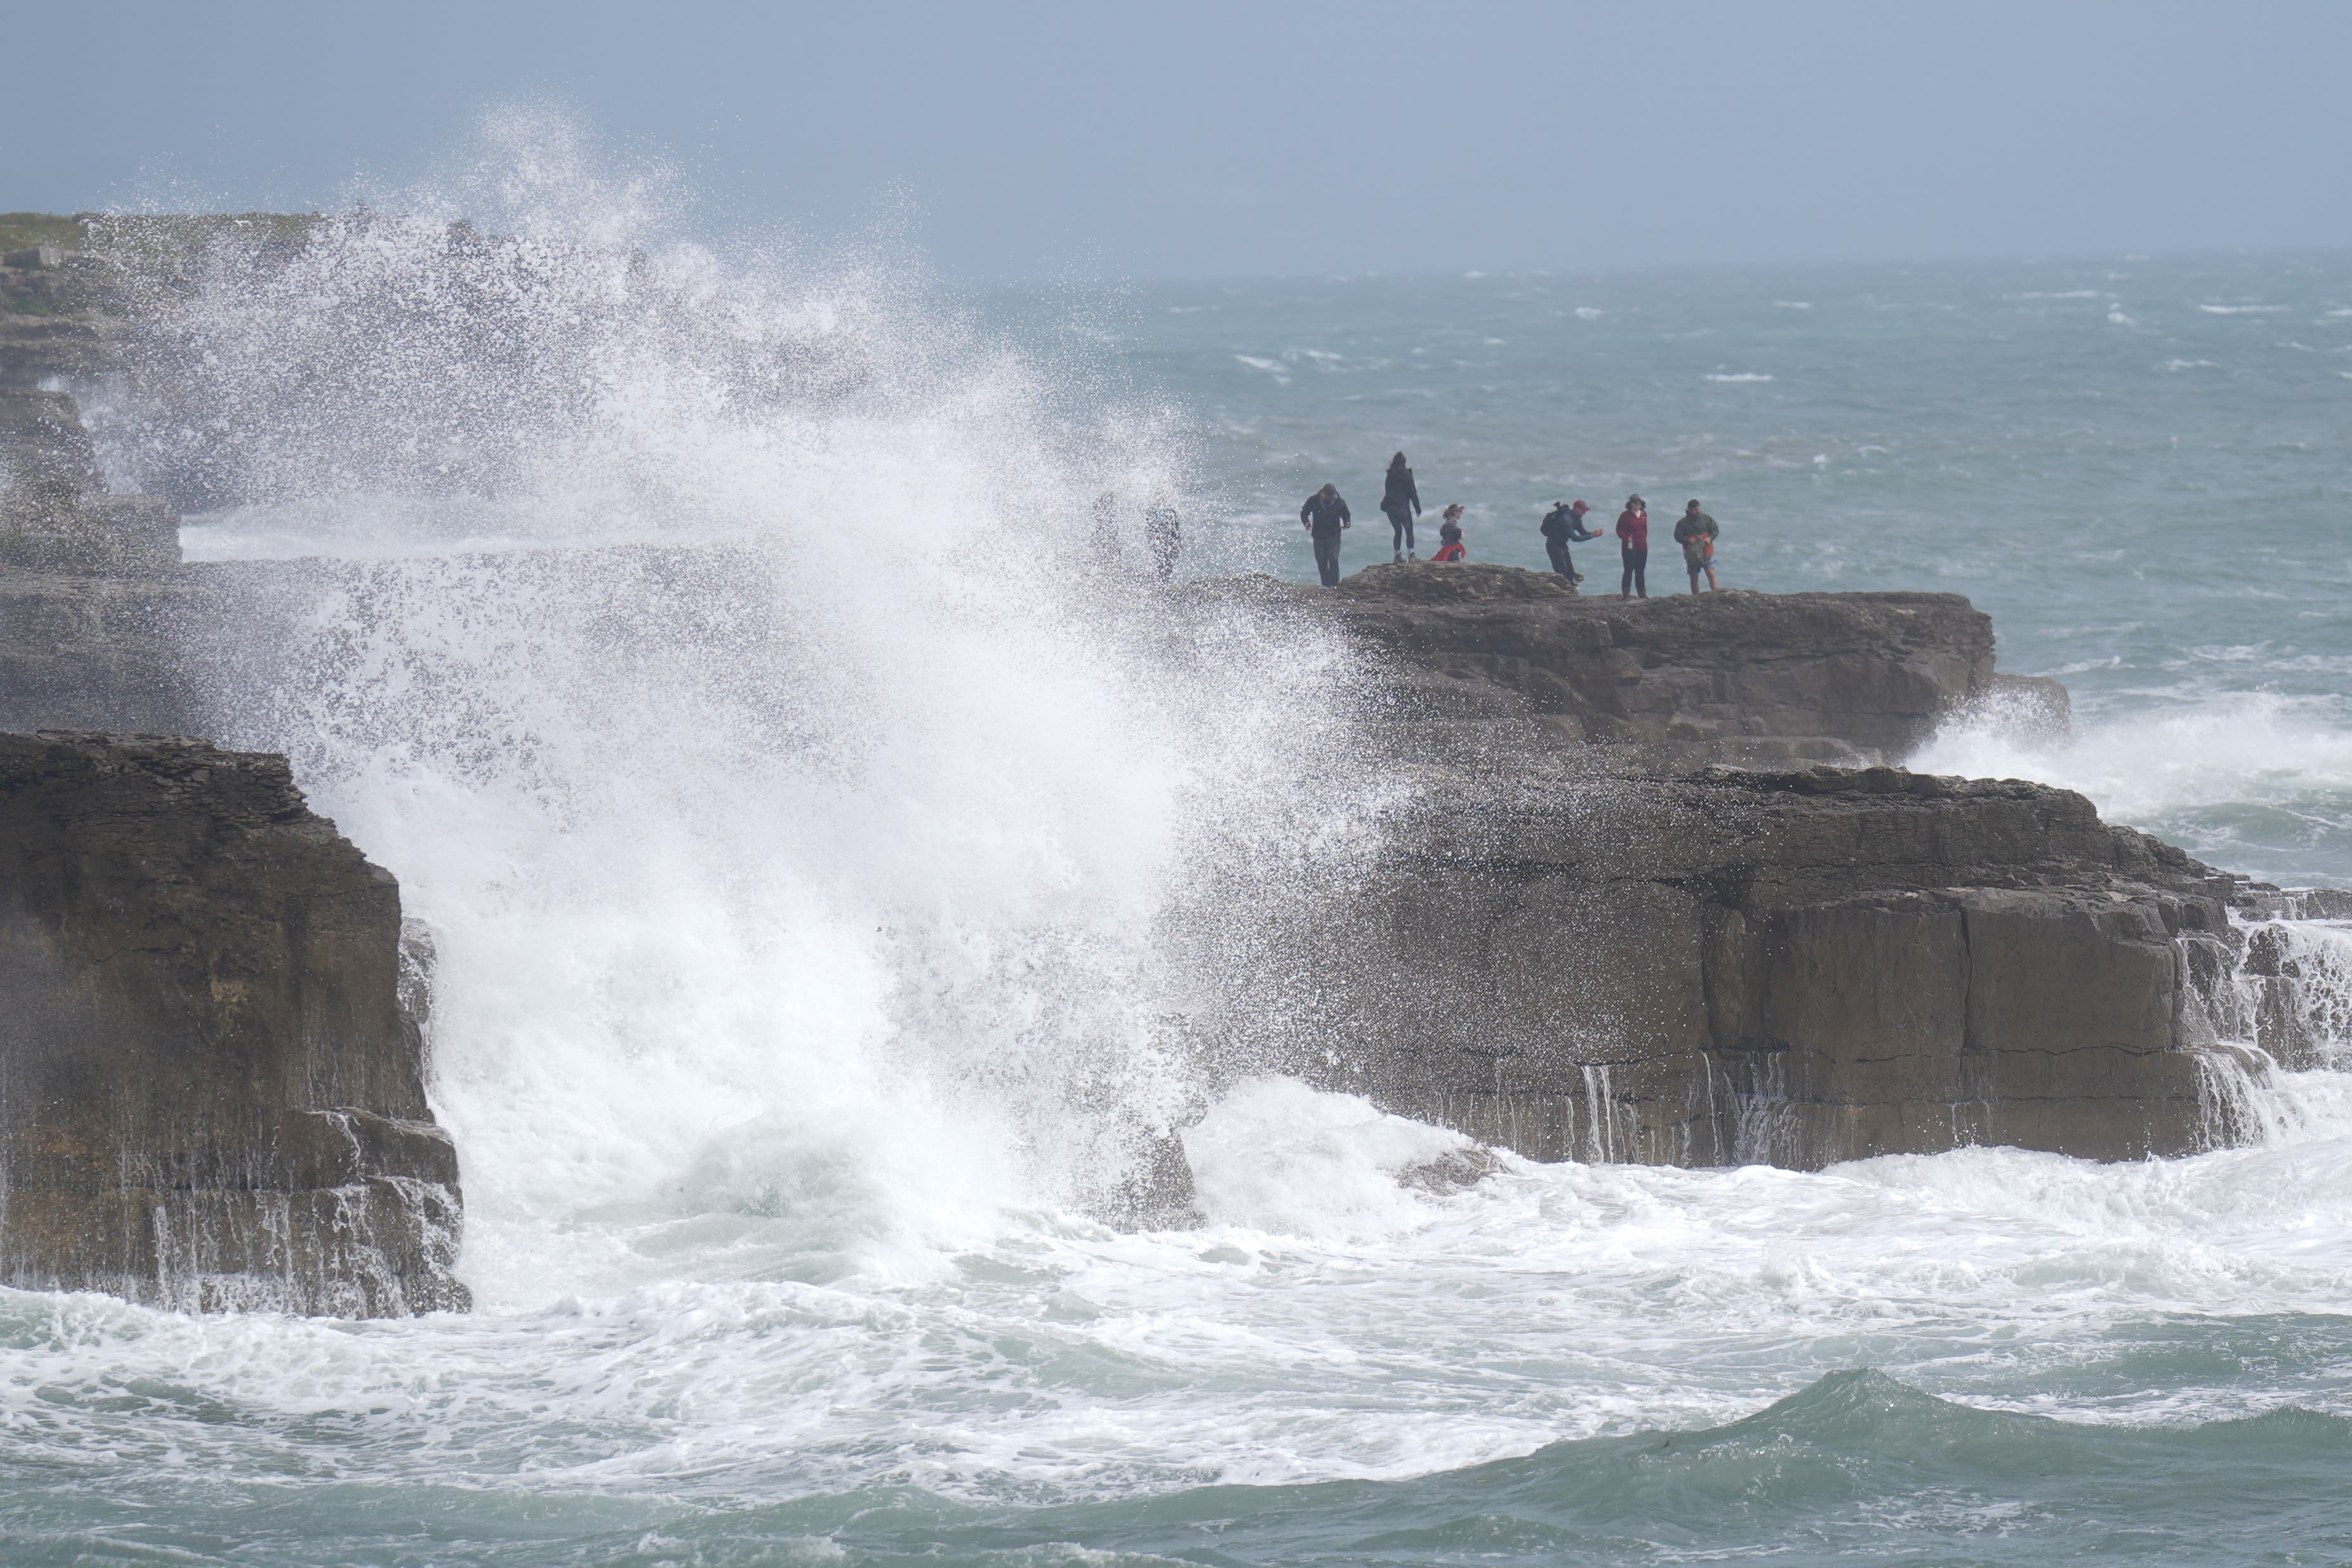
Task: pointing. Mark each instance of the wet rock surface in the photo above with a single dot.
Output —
(1789, 968)
(209, 1094)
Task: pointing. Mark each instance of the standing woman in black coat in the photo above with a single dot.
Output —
(1402, 501)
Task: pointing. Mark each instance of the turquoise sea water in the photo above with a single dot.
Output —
(796, 942)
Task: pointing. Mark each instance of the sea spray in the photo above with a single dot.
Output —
(798, 789)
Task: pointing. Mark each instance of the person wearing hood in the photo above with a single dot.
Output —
(1634, 545)
(1402, 501)
(1323, 516)
(1563, 526)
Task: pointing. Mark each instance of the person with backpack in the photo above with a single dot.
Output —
(1695, 533)
(1323, 517)
(1633, 546)
(1402, 501)
(1563, 526)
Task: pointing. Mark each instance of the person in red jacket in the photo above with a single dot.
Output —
(1449, 536)
(1633, 545)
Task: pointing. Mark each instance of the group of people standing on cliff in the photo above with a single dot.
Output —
(1325, 517)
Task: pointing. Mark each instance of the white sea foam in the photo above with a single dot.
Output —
(1589, 313)
(2242, 310)
(1740, 376)
(1276, 1155)
(2239, 756)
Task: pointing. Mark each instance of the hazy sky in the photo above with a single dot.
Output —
(1109, 140)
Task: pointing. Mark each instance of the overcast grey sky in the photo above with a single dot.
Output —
(1143, 141)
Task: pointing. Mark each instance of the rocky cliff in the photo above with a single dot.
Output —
(1740, 677)
(209, 1094)
(1785, 967)
(1578, 942)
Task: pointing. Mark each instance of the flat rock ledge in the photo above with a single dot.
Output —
(210, 1097)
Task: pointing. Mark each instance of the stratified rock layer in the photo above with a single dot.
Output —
(1575, 943)
(1792, 968)
(1745, 677)
(209, 1095)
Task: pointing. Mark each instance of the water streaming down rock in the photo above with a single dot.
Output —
(210, 1096)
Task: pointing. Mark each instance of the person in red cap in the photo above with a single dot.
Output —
(1564, 525)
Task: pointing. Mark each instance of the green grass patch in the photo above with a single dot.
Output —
(22, 231)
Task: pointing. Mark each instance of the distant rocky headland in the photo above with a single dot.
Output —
(1664, 894)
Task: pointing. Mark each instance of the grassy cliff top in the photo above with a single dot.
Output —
(22, 231)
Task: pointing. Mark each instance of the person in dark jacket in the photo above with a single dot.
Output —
(1323, 516)
(1402, 501)
(1634, 545)
(1450, 547)
(1695, 533)
(1564, 525)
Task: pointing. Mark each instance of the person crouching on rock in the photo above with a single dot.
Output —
(1449, 536)
(1633, 545)
(1695, 533)
(1402, 501)
(1564, 525)
(1323, 516)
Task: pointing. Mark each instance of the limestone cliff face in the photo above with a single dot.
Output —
(1791, 968)
(209, 1095)
(1579, 944)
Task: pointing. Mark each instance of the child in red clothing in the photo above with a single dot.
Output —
(1449, 534)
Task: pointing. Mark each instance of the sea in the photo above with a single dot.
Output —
(800, 919)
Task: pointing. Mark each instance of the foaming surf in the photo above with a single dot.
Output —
(2256, 782)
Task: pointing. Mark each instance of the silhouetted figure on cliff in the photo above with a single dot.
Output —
(1564, 525)
(1164, 538)
(1323, 517)
(1400, 498)
(1105, 538)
